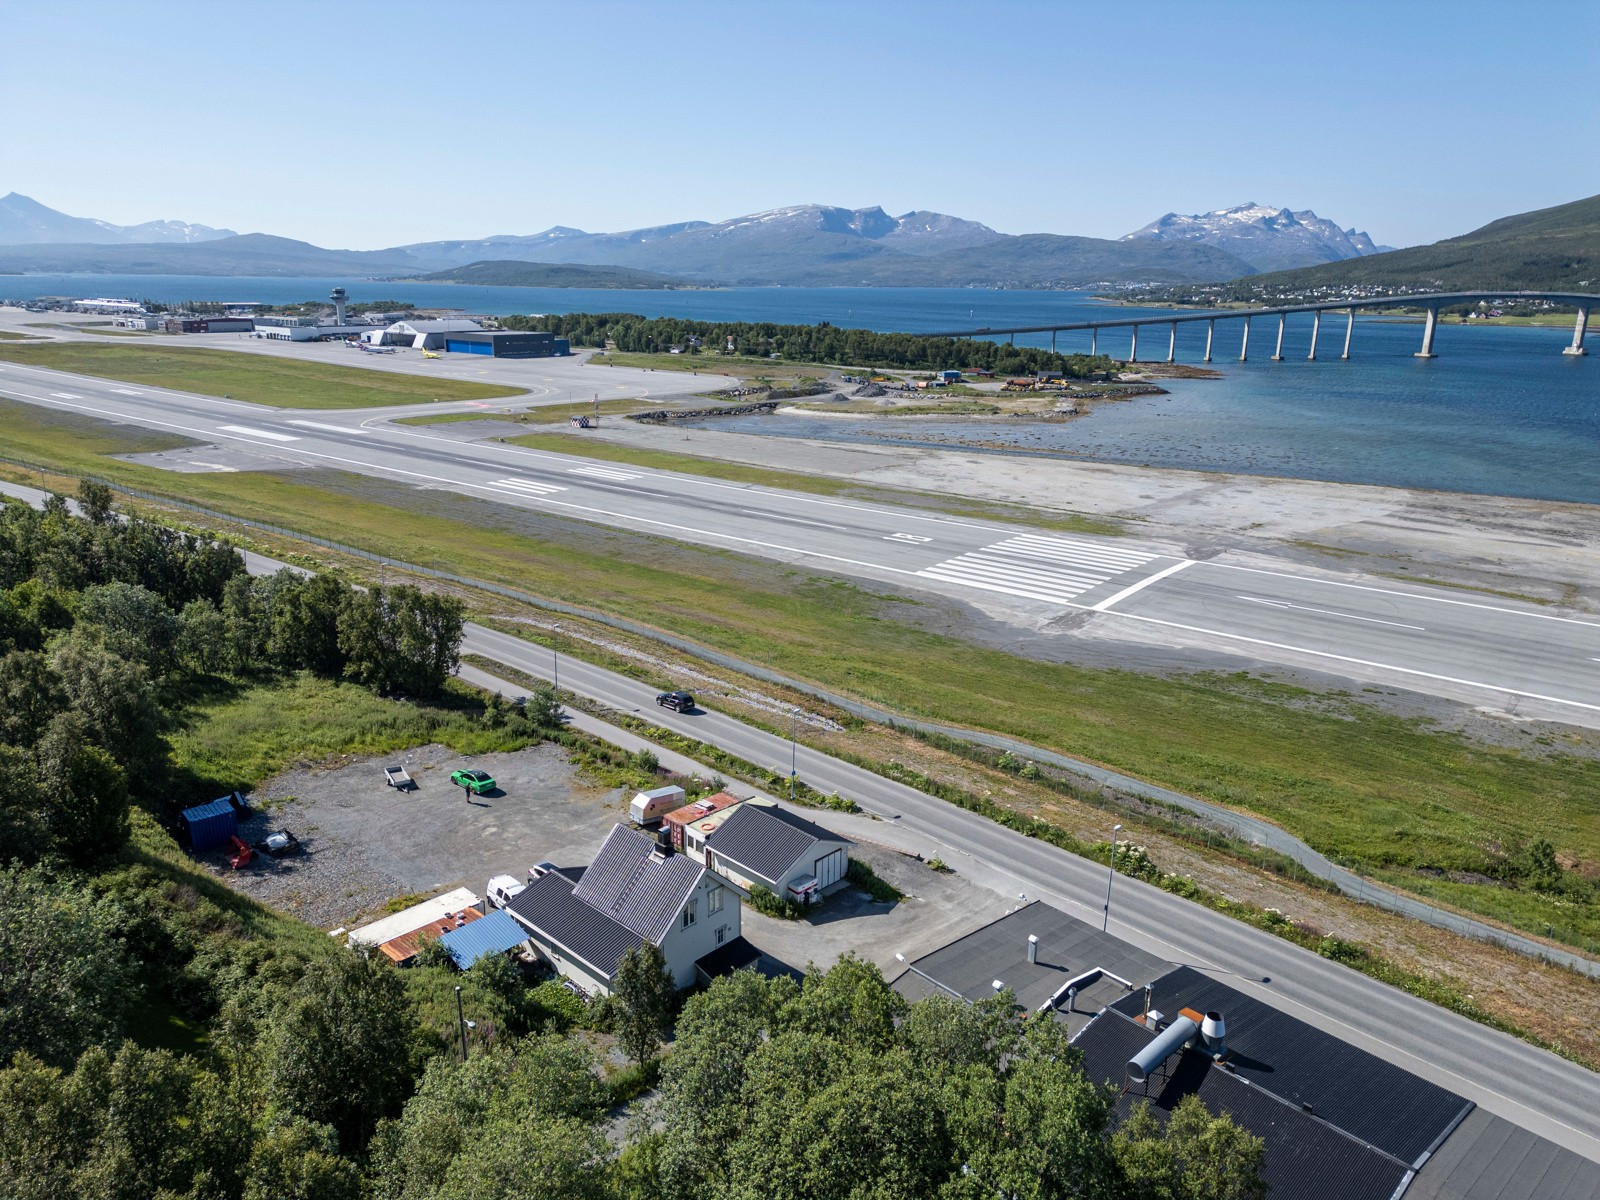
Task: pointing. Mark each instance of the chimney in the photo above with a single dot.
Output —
(1212, 1032)
(1033, 947)
(663, 846)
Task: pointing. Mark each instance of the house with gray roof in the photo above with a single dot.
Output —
(638, 889)
(788, 855)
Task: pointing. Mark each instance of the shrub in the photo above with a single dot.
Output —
(766, 901)
(865, 878)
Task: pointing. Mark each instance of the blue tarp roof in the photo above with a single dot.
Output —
(493, 934)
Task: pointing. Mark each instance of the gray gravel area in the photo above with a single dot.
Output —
(367, 843)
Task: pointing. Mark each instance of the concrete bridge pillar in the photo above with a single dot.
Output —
(1578, 331)
(1349, 330)
(1277, 355)
(1316, 328)
(1133, 350)
(1094, 341)
(1211, 330)
(1052, 341)
(1427, 335)
(1244, 343)
(1172, 344)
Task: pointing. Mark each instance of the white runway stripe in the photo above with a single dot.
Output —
(1035, 567)
(531, 487)
(260, 433)
(603, 473)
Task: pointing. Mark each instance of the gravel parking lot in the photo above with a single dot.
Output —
(367, 843)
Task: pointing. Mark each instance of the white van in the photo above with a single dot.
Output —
(649, 807)
(502, 888)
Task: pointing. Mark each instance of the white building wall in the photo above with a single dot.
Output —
(684, 945)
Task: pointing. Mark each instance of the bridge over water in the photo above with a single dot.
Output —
(1430, 302)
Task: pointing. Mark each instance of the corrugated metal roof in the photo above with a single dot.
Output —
(767, 841)
(634, 886)
(494, 934)
(403, 949)
(415, 917)
(548, 907)
(701, 808)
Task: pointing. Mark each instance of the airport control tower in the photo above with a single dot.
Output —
(338, 297)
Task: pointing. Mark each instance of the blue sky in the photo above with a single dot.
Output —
(364, 124)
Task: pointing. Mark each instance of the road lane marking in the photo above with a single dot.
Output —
(263, 433)
(1367, 587)
(325, 427)
(1362, 662)
(1328, 612)
(1038, 567)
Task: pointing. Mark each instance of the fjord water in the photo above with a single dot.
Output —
(1500, 411)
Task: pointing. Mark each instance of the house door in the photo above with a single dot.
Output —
(829, 868)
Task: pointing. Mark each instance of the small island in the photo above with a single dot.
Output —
(514, 273)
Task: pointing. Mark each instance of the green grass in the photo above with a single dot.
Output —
(1357, 782)
(7, 335)
(739, 366)
(544, 414)
(818, 485)
(256, 378)
(244, 735)
(450, 418)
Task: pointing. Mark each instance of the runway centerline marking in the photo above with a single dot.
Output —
(263, 433)
(66, 396)
(1328, 612)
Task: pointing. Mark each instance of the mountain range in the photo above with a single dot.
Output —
(801, 245)
(1269, 239)
(26, 222)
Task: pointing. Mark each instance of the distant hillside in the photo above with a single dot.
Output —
(1268, 238)
(512, 273)
(246, 254)
(24, 222)
(1551, 249)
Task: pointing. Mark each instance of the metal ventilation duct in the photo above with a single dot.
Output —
(1172, 1039)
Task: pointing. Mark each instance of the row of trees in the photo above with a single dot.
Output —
(822, 343)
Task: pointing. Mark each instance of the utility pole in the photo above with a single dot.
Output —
(1105, 923)
(597, 410)
(461, 1022)
(555, 658)
(793, 752)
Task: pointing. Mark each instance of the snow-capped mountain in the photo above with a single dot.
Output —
(1269, 239)
(26, 222)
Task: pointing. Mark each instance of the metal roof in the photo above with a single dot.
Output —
(404, 948)
(1067, 949)
(494, 934)
(444, 325)
(213, 808)
(1373, 1100)
(414, 917)
(1489, 1158)
(548, 908)
(1306, 1158)
(636, 886)
(767, 841)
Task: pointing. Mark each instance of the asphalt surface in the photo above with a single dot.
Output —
(1532, 1088)
(1526, 659)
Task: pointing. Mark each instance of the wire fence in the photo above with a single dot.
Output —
(1239, 825)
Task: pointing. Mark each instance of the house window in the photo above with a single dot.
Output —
(689, 912)
(714, 900)
(722, 932)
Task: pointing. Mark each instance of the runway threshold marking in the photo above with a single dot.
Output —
(1328, 612)
(603, 473)
(530, 486)
(1038, 568)
(262, 433)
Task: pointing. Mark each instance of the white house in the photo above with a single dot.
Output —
(788, 855)
(638, 889)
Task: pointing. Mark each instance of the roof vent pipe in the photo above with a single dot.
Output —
(1212, 1031)
(1175, 1037)
(1033, 947)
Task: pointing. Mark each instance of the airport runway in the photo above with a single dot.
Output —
(1529, 660)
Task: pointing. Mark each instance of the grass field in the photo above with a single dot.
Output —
(544, 414)
(257, 378)
(1361, 784)
(737, 365)
(819, 485)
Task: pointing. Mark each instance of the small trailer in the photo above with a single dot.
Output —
(398, 777)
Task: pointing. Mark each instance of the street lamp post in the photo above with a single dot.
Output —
(793, 753)
(555, 658)
(1105, 923)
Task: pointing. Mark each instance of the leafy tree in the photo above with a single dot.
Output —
(543, 708)
(94, 500)
(202, 644)
(1195, 1157)
(131, 622)
(30, 696)
(119, 707)
(557, 1159)
(246, 625)
(299, 1160)
(64, 976)
(305, 624)
(340, 1045)
(86, 791)
(24, 827)
(646, 996)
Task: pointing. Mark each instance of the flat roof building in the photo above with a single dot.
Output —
(505, 343)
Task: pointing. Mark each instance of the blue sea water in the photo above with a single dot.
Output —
(1500, 411)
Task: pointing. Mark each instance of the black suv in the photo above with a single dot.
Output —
(678, 701)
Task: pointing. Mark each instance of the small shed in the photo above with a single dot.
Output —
(210, 825)
(494, 934)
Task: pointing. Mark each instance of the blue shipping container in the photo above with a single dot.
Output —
(210, 825)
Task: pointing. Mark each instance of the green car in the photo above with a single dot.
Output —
(476, 782)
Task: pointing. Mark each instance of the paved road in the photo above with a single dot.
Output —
(1535, 1089)
(1536, 662)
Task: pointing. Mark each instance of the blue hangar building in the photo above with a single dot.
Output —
(506, 344)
